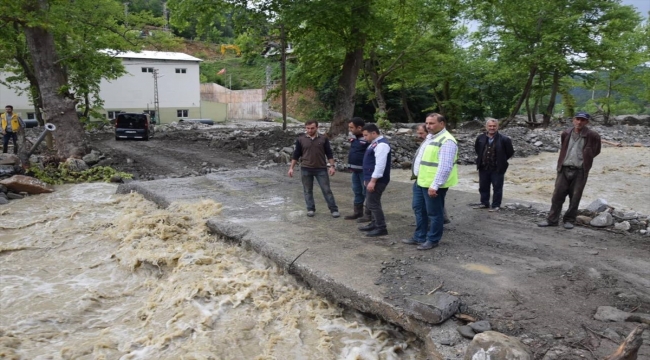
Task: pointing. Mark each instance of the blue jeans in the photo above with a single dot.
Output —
(487, 178)
(307, 176)
(357, 188)
(5, 141)
(421, 217)
(429, 214)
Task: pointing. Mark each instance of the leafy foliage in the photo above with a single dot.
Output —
(56, 175)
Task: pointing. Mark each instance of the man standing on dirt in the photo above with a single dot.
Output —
(10, 123)
(580, 145)
(422, 134)
(437, 172)
(313, 149)
(493, 150)
(376, 176)
(358, 146)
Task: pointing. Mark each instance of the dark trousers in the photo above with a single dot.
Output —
(569, 182)
(5, 141)
(487, 178)
(307, 177)
(373, 203)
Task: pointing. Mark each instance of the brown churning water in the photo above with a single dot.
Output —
(85, 274)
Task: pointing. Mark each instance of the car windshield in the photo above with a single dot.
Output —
(131, 120)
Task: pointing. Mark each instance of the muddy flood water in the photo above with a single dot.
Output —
(86, 274)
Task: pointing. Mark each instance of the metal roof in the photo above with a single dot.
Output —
(152, 55)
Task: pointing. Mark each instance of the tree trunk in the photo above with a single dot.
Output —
(58, 106)
(347, 84)
(609, 109)
(551, 102)
(377, 84)
(528, 110)
(522, 97)
(405, 104)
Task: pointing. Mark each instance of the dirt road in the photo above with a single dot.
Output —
(167, 155)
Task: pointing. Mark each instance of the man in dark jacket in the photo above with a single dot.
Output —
(376, 176)
(358, 146)
(314, 152)
(493, 150)
(580, 145)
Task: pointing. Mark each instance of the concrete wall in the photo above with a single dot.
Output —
(213, 110)
(242, 104)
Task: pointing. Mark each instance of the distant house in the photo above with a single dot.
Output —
(179, 88)
(273, 48)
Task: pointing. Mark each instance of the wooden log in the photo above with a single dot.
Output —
(628, 350)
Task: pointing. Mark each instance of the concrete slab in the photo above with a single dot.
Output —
(522, 278)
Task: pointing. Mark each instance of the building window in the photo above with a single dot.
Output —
(182, 113)
(31, 116)
(147, 69)
(181, 71)
(113, 114)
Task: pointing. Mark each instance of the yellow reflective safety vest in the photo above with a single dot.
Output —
(429, 163)
(15, 125)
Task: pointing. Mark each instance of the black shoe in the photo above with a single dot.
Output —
(545, 223)
(377, 232)
(368, 227)
(427, 245)
(482, 206)
(411, 241)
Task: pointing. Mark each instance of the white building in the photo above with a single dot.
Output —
(179, 88)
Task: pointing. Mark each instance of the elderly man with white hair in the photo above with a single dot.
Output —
(493, 150)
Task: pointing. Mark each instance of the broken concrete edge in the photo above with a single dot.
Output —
(327, 287)
(323, 285)
(149, 195)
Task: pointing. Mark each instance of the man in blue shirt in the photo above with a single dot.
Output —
(358, 146)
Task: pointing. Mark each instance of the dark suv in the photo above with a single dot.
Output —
(133, 126)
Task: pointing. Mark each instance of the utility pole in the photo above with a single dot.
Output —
(156, 102)
(283, 66)
(166, 16)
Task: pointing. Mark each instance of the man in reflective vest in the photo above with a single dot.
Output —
(11, 123)
(437, 172)
(358, 146)
(376, 176)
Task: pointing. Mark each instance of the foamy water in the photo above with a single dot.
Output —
(85, 274)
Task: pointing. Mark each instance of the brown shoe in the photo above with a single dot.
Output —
(367, 217)
(358, 212)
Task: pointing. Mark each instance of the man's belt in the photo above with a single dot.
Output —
(357, 167)
(572, 167)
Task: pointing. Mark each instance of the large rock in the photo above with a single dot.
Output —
(492, 345)
(623, 226)
(609, 313)
(92, 158)
(598, 205)
(7, 170)
(76, 165)
(633, 120)
(434, 308)
(30, 185)
(603, 219)
(9, 159)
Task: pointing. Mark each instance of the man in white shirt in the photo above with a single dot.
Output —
(376, 176)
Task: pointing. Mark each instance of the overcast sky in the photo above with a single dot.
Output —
(642, 5)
